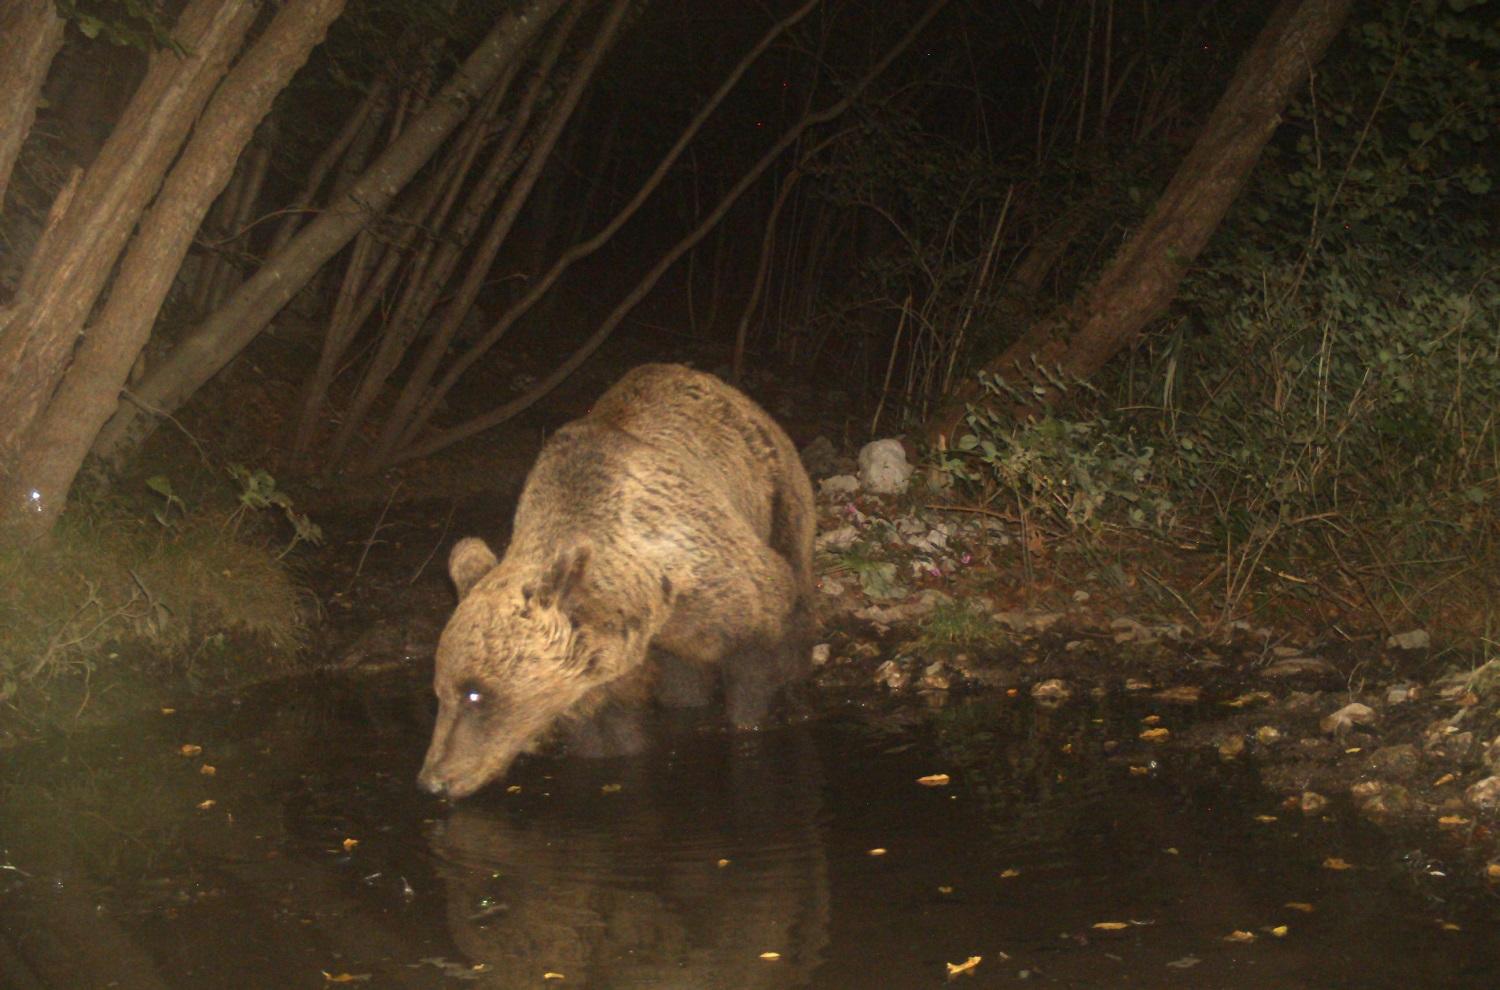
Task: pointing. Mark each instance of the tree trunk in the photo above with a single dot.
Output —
(222, 336)
(1141, 280)
(87, 230)
(30, 35)
(57, 445)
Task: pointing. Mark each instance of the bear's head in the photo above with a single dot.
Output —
(526, 644)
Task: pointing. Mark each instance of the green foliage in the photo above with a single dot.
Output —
(1080, 476)
(961, 623)
(172, 576)
(126, 23)
(876, 575)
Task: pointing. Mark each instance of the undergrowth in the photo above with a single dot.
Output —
(172, 579)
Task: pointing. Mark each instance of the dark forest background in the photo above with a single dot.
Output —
(1198, 296)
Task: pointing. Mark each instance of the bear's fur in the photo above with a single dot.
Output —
(675, 516)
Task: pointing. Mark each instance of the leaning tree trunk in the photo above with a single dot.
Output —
(30, 35)
(89, 394)
(90, 224)
(223, 335)
(1141, 280)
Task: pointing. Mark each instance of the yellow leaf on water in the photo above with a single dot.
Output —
(1446, 778)
(1156, 735)
(190, 749)
(770, 956)
(1453, 820)
(1265, 819)
(349, 844)
(345, 977)
(967, 966)
(722, 863)
(1492, 872)
(1335, 863)
(1111, 926)
(169, 711)
(1152, 720)
(208, 769)
(1140, 771)
(1007, 874)
(1449, 926)
(1302, 906)
(1250, 698)
(513, 789)
(610, 789)
(877, 851)
(550, 975)
(1240, 935)
(945, 890)
(934, 780)
(205, 805)
(1279, 931)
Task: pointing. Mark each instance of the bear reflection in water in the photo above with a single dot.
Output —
(681, 878)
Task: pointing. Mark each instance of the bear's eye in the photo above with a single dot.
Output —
(472, 694)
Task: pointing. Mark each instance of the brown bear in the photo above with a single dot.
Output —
(675, 516)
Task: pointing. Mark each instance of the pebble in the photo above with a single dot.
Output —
(1484, 795)
(1312, 802)
(1052, 691)
(1401, 760)
(1347, 717)
(892, 675)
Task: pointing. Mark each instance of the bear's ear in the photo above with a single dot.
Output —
(470, 559)
(563, 582)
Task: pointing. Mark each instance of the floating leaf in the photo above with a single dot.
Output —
(945, 890)
(877, 851)
(1008, 874)
(1449, 926)
(1156, 735)
(934, 780)
(208, 769)
(722, 863)
(1140, 771)
(1111, 926)
(1335, 863)
(349, 844)
(513, 789)
(205, 805)
(1446, 778)
(1280, 931)
(1186, 962)
(967, 966)
(1492, 872)
(190, 749)
(169, 711)
(1302, 906)
(610, 789)
(550, 975)
(1240, 935)
(1265, 819)
(1151, 720)
(770, 956)
(1451, 821)
(345, 977)
(1249, 698)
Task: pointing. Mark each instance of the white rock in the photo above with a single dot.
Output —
(821, 653)
(837, 539)
(883, 468)
(839, 484)
(1412, 639)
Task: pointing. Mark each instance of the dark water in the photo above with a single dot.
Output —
(317, 862)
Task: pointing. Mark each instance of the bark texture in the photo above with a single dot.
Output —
(30, 35)
(216, 341)
(91, 223)
(1142, 278)
(89, 394)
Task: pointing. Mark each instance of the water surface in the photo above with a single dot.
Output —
(280, 842)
